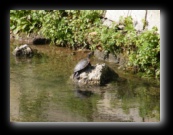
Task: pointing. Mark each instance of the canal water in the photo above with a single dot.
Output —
(41, 91)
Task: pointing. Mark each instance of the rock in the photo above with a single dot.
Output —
(121, 27)
(102, 55)
(107, 22)
(119, 59)
(23, 50)
(96, 75)
(41, 41)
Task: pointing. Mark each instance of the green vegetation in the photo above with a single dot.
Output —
(84, 29)
(63, 27)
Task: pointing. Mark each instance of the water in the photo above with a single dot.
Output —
(41, 91)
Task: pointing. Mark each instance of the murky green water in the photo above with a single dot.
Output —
(41, 91)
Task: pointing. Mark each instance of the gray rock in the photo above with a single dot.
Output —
(118, 59)
(107, 57)
(97, 75)
(23, 50)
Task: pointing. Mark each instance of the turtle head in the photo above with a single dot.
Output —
(90, 54)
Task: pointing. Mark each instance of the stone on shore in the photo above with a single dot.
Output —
(100, 74)
(23, 50)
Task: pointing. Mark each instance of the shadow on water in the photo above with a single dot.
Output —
(41, 91)
(83, 94)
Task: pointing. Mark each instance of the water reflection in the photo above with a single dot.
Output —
(130, 102)
(40, 92)
(83, 93)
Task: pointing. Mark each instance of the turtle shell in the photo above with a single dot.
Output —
(81, 65)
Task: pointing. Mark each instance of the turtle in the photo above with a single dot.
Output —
(82, 65)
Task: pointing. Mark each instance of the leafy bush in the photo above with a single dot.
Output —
(147, 54)
(26, 21)
(63, 27)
